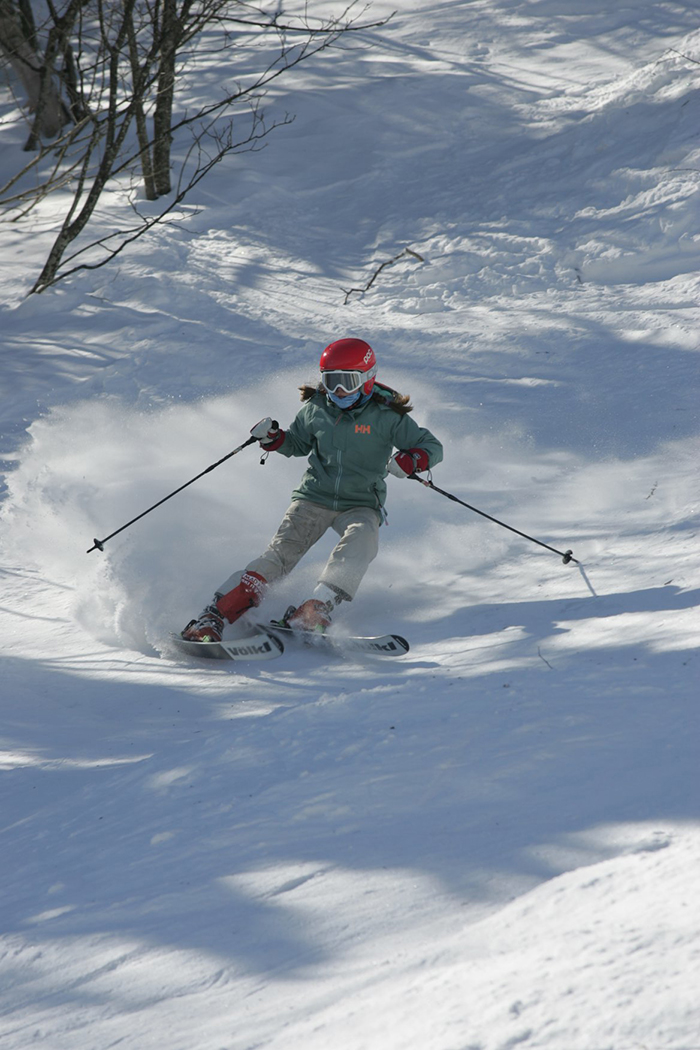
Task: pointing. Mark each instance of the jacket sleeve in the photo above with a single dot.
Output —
(298, 440)
(409, 435)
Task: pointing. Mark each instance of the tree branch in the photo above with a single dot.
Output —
(389, 262)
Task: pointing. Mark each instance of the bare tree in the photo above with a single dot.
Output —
(108, 74)
(18, 45)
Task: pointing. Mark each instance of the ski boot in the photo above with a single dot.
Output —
(209, 626)
(312, 615)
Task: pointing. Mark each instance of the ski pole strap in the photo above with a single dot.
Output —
(100, 544)
(566, 556)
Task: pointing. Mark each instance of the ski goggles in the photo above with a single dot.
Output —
(347, 381)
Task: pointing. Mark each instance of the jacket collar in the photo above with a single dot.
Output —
(358, 407)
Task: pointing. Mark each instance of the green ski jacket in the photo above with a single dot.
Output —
(349, 449)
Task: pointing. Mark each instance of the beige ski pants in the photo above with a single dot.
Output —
(302, 526)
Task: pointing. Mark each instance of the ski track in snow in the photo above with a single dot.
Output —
(494, 842)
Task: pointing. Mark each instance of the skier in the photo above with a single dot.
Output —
(349, 427)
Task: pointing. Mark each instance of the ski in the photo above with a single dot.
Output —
(259, 646)
(267, 643)
(379, 645)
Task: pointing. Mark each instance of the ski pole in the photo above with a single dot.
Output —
(100, 544)
(566, 556)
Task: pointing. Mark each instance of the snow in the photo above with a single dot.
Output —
(490, 843)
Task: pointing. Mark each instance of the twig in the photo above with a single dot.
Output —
(389, 262)
(686, 57)
(539, 653)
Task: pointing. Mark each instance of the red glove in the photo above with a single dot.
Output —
(403, 464)
(268, 433)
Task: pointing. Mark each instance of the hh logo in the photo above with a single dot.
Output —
(362, 428)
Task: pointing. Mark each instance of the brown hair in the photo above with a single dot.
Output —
(383, 395)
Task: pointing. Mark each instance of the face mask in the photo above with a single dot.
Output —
(345, 402)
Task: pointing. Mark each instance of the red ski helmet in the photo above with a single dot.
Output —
(350, 364)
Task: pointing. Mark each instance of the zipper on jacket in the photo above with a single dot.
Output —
(338, 479)
(339, 460)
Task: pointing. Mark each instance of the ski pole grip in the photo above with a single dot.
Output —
(262, 430)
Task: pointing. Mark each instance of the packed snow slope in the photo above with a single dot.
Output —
(494, 841)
